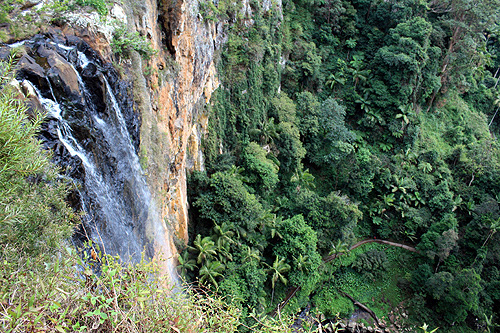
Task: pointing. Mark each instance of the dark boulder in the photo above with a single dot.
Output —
(64, 78)
(29, 69)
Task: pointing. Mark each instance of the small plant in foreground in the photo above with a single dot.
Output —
(99, 5)
(124, 42)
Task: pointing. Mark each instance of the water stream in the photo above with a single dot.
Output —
(93, 134)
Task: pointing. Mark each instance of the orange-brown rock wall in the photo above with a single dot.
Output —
(169, 90)
(182, 80)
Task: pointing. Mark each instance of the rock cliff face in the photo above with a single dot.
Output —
(171, 97)
(182, 81)
(170, 92)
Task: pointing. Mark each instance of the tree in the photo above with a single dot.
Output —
(335, 80)
(249, 254)
(210, 271)
(185, 263)
(299, 239)
(228, 200)
(302, 178)
(464, 23)
(261, 171)
(463, 296)
(205, 247)
(408, 62)
(223, 238)
(494, 227)
(270, 225)
(306, 62)
(302, 262)
(267, 133)
(308, 113)
(357, 71)
(278, 269)
(291, 151)
(338, 139)
(338, 248)
(440, 238)
(284, 108)
(323, 130)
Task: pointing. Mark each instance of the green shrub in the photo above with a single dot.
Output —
(125, 41)
(49, 294)
(99, 5)
(330, 302)
(53, 296)
(33, 215)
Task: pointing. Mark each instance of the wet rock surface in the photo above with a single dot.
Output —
(93, 132)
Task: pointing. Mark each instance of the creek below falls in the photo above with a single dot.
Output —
(93, 132)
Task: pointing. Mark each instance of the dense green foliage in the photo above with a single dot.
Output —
(353, 119)
(99, 5)
(33, 215)
(43, 294)
(124, 42)
(45, 286)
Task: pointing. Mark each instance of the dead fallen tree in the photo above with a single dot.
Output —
(366, 241)
(363, 307)
(291, 293)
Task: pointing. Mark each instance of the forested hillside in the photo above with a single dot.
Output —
(340, 121)
(351, 157)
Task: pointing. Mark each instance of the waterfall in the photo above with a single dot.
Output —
(92, 129)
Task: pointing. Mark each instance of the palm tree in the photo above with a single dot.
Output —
(210, 271)
(303, 179)
(425, 167)
(388, 199)
(404, 115)
(223, 249)
(238, 172)
(400, 184)
(335, 79)
(340, 247)
(250, 254)
(185, 263)
(267, 132)
(205, 247)
(359, 75)
(302, 262)
(271, 221)
(357, 71)
(364, 103)
(278, 268)
(223, 234)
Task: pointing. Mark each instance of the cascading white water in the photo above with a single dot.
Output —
(120, 214)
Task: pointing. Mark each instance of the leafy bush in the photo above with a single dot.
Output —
(49, 294)
(371, 263)
(99, 5)
(330, 303)
(125, 41)
(33, 215)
